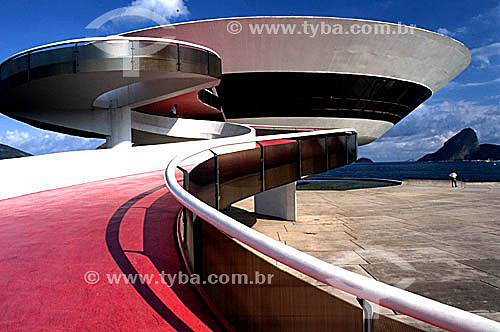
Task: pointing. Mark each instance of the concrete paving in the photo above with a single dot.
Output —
(433, 240)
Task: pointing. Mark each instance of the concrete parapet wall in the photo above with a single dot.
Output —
(287, 303)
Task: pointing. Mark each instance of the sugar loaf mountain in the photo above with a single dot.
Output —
(464, 146)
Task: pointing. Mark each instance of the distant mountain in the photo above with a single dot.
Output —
(464, 146)
(7, 152)
(487, 152)
(364, 160)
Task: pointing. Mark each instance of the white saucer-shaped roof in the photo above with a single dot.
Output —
(283, 72)
(406, 53)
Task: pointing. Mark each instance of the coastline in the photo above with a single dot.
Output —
(468, 171)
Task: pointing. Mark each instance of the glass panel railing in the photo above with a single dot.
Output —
(192, 60)
(281, 163)
(104, 55)
(202, 181)
(214, 65)
(352, 148)
(225, 177)
(53, 56)
(240, 175)
(313, 155)
(16, 71)
(337, 151)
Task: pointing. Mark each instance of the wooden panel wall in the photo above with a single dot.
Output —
(286, 304)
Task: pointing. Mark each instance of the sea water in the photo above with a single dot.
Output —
(467, 170)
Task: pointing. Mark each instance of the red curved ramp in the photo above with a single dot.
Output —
(49, 241)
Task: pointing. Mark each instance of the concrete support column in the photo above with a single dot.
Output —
(121, 128)
(278, 202)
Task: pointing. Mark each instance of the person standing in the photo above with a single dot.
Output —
(173, 111)
(453, 176)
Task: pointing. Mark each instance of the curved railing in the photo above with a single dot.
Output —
(401, 301)
(31, 64)
(108, 38)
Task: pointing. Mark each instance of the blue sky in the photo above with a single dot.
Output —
(471, 100)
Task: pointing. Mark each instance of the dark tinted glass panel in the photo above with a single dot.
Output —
(50, 70)
(352, 148)
(214, 66)
(167, 51)
(189, 239)
(202, 182)
(15, 72)
(15, 66)
(281, 164)
(313, 155)
(51, 57)
(240, 175)
(193, 60)
(337, 151)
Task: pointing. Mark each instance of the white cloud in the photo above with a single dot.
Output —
(427, 128)
(471, 84)
(492, 15)
(59, 137)
(486, 55)
(167, 8)
(43, 142)
(15, 137)
(138, 12)
(444, 31)
(454, 33)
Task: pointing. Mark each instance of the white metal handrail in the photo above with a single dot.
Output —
(399, 300)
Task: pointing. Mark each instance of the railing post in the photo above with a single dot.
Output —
(29, 65)
(185, 185)
(217, 180)
(132, 60)
(326, 152)
(367, 314)
(208, 63)
(178, 58)
(76, 63)
(196, 227)
(355, 147)
(197, 244)
(299, 142)
(347, 148)
(263, 167)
